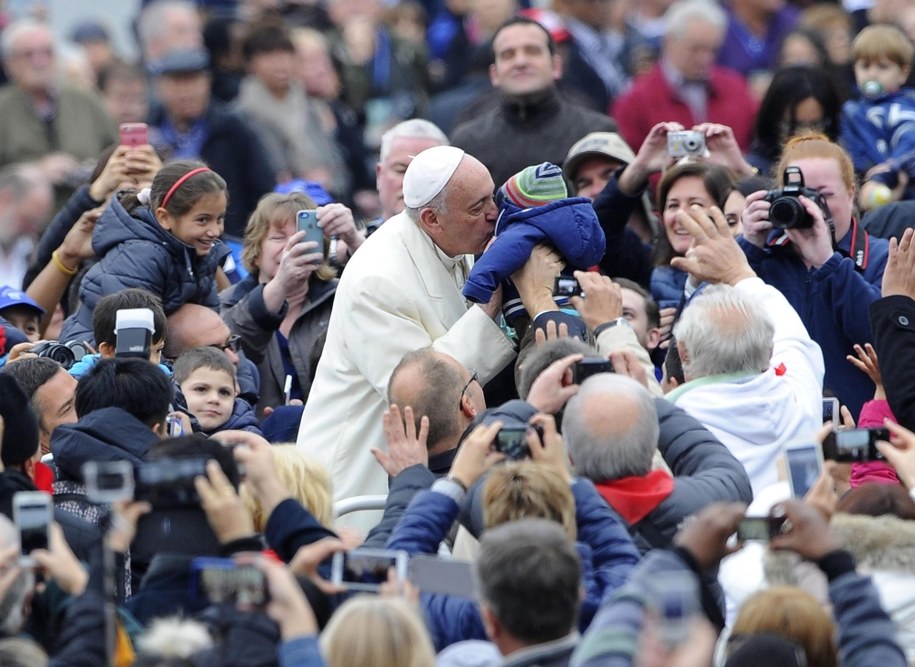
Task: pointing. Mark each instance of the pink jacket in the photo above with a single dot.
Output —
(872, 415)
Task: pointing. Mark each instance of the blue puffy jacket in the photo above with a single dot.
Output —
(667, 285)
(605, 548)
(568, 224)
(875, 131)
(135, 251)
(833, 303)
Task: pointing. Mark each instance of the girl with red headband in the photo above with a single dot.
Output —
(164, 240)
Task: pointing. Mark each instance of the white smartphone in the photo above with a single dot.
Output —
(32, 516)
(367, 569)
(445, 576)
(804, 465)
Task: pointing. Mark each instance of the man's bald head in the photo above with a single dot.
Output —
(430, 382)
(192, 326)
(611, 428)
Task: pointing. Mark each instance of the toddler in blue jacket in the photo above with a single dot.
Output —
(534, 207)
(878, 130)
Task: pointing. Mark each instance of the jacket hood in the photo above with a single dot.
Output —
(570, 224)
(754, 417)
(116, 226)
(109, 434)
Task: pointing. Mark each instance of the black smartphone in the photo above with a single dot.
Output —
(855, 445)
(512, 441)
(566, 286)
(760, 528)
(589, 366)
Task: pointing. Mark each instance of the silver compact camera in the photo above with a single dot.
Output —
(685, 143)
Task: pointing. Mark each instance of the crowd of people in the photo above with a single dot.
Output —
(535, 384)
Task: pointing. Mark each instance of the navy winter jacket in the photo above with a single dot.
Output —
(833, 303)
(135, 251)
(243, 418)
(568, 224)
(882, 130)
(605, 548)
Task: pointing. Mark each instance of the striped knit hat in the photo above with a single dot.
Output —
(534, 186)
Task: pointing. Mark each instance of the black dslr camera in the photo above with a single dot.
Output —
(786, 211)
(66, 354)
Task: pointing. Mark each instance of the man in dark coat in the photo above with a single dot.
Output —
(532, 124)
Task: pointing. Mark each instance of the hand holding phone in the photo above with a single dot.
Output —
(805, 462)
(366, 569)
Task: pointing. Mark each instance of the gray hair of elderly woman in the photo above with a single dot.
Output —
(724, 331)
(611, 428)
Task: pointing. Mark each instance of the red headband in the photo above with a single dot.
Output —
(180, 182)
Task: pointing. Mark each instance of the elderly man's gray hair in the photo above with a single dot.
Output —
(611, 428)
(724, 331)
(679, 15)
(415, 128)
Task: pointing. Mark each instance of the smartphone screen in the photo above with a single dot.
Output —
(223, 581)
(32, 515)
(856, 445)
(367, 569)
(513, 443)
(830, 410)
(804, 466)
(133, 134)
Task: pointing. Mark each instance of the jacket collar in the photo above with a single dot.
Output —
(634, 498)
(432, 271)
(525, 111)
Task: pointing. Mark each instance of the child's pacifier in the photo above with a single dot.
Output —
(872, 89)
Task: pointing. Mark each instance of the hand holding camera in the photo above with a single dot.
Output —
(225, 511)
(901, 453)
(806, 532)
(554, 386)
(705, 536)
(475, 455)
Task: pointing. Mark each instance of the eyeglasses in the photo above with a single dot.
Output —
(233, 343)
(473, 378)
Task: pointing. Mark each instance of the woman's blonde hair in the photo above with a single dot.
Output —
(272, 212)
(528, 490)
(377, 631)
(815, 145)
(305, 479)
(793, 614)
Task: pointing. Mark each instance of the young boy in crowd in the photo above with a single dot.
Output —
(207, 381)
(104, 321)
(878, 130)
(17, 308)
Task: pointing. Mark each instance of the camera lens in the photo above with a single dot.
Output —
(691, 144)
(59, 353)
(785, 212)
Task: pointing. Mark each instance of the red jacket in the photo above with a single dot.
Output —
(651, 100)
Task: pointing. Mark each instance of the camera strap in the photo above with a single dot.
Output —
(859, 250)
